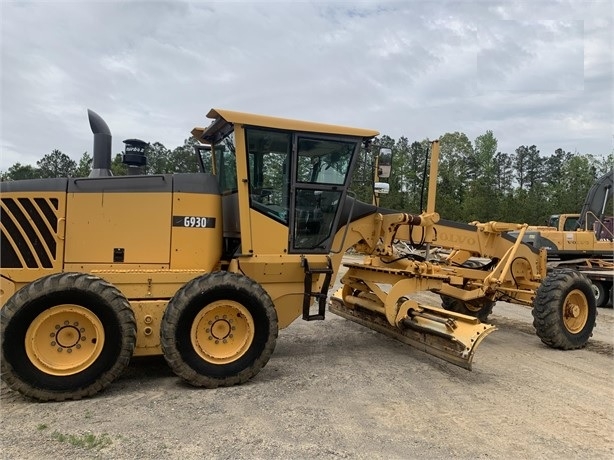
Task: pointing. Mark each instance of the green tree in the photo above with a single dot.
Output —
(504, 174)
(417, 175)
(158, 159)
(456, 150)
(556, 188)
(19, 172)
(183, 159)
(118, 168)
(397, 197)
(362, 177)
(84, 167)
(578, 177)
(482, 202)
(56, 164)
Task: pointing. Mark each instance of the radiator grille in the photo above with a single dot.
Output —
(28, 232)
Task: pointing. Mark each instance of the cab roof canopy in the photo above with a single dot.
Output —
(224, 119)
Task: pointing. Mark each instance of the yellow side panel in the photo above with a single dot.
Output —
(99, 223)
(268, 235)
(283, 277)
(196, 240)
(33, 224)
(557, 238)
(579, 241)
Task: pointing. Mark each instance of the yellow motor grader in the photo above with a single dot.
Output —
(205, 268)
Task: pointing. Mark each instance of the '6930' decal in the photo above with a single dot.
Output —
(194, 221)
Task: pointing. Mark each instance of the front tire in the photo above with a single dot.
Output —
(219, 329)
(564, 310)
(65, 336)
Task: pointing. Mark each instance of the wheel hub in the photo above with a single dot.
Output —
(222, 332)
(575, 311)
(69, 336)
(64, 340)
(221, 329)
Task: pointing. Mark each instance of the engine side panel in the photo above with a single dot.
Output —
(32, 228)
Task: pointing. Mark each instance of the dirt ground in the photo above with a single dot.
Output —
(334, 389)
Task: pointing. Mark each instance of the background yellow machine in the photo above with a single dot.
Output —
(584, 241)
(204, 268)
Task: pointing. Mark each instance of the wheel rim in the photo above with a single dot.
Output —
(575, 311)
(222, 332)
(596, 292)
(64, 340)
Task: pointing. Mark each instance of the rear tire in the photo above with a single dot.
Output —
(65, 336)
(601, 294)
(564, 310)
(479, 309)
(219, 330)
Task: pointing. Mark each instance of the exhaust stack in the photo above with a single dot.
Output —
(101, 166)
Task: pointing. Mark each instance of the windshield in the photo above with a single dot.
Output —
(321, 179)
(323, 162)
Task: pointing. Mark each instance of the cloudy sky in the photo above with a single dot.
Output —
(533, 72)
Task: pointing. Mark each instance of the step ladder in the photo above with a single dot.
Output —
(321, 296)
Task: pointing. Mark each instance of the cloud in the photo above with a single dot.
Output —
(536, 72)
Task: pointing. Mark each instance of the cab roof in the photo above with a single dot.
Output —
(224, 117)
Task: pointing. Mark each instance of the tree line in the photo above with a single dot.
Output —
(475, 182)
(478, 182)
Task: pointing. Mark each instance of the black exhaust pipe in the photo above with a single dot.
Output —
(101, 166)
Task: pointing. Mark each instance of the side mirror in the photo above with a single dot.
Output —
(384, 163)
(381, 188)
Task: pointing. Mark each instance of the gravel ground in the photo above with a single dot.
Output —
(334, 389)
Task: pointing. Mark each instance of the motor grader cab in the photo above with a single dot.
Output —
(205, 268)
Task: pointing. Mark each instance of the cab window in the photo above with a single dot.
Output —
(268, 158)
(321, 176)
(225, 157)
(323, 161)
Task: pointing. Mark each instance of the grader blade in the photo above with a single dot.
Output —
(450, 336)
